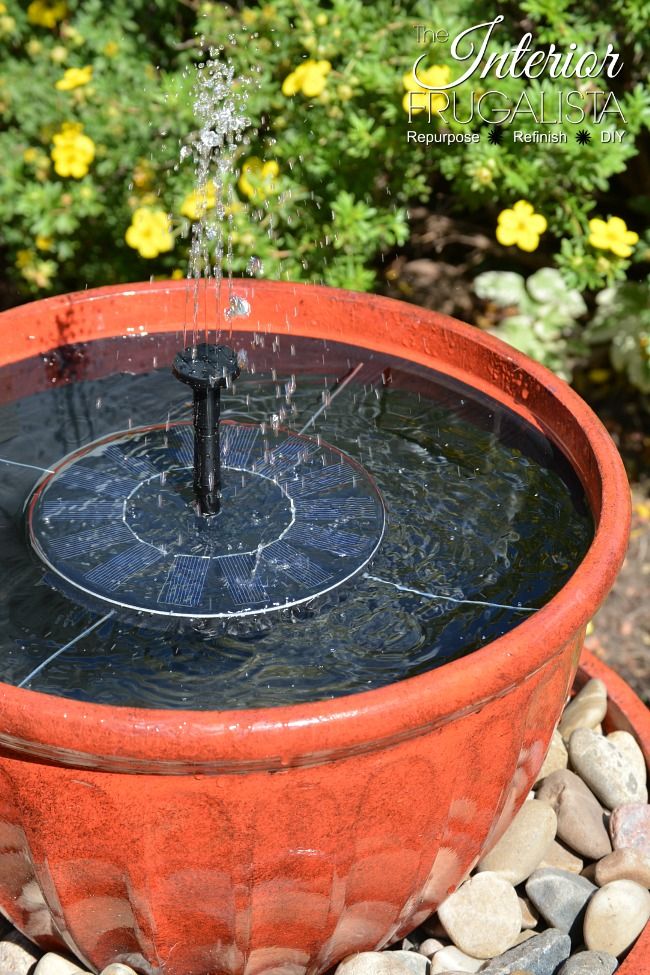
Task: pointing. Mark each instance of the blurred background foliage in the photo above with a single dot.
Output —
(96, 100)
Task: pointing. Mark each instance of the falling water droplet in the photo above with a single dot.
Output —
(209, 138)
(238, 307)
(254, 266)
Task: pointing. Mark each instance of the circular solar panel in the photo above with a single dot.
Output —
(116, 520)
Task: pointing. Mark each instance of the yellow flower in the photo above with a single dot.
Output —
(74, 78)
(257, 178)
(177, 274)
(24, 258)
(7, 25)
(310, 78)
(612, 235)
(30, 155)
(73, 151)
(111, 48)
(40, 273)
(197, 202)
(46, 13)
(43, 242)
(143, 174)
(3, 8)
(150, 232)
(418, 98)
(520, 226)
(33, 47)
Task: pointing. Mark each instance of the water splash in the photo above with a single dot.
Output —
(254, 266)
(238, 307)
(220, 110)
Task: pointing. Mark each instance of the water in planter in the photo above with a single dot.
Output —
(411, 522)
(352, 521)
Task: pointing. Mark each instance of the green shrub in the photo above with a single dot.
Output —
(543, 315)
(327, 171)
(622, 322)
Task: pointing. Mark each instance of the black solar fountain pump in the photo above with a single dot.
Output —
(207, 369)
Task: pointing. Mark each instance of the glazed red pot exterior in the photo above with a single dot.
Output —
(280, 840)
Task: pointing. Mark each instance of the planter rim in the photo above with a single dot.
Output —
(116, 738)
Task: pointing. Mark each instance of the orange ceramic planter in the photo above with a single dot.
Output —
(280, 840)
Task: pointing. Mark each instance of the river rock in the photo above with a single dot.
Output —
(630, 827)
(377, 963)
(117, 968)
(417, 964)
(559, 858)
(453, 959)
(586, 710)
(605, 769)
(529, 914)
(629, 864)
(615, 916)
(523, 844)
(482, 917)
(429, 947)
(628, 746)
(560, 897)
(541, 955)
(557, 757)
(18, 956)
(579, 814)
(523, 936)
(589, 963)
(53, 964)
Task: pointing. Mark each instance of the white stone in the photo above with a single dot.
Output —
(615, 916)
(523, 844)
(453, 959)
(627, 746)
(17, 955)
(606, 771)
(586, 710)
(483, 916)
(117, 968)
(375, 963)
(429, 947)
(416, 963)
(53, 964)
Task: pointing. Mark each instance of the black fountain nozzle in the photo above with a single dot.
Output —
(207, 369)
